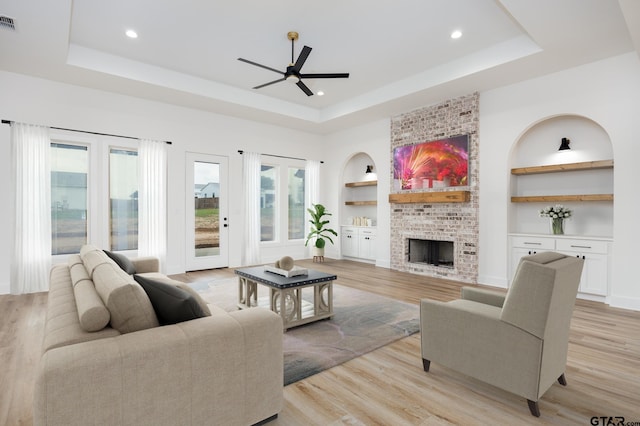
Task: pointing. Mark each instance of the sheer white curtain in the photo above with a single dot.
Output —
(31, 183)
(251, 181)
(152, 200)
(311, 187)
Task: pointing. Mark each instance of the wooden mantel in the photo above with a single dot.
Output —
(430, 197)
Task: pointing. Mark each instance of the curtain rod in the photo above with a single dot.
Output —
(91, 133)
(280, 156)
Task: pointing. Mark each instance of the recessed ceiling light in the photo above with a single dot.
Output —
(456, 34)
(131, 34)
(320, 93)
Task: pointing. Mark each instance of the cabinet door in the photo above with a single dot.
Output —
(367, 244)
(349, 242)
(595, 273)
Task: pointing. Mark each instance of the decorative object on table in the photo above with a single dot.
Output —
(293, 272)
(286, 263)
(319, 231)
(557, 214)
(285, 267)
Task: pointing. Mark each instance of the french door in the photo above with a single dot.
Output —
(207, 224)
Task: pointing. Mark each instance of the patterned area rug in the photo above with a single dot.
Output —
(362, 322)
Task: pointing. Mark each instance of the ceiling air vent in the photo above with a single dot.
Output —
(7, 23)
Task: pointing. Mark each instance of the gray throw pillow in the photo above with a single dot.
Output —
(122, 261)
(171, 304)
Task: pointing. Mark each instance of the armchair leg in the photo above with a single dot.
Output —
(426, 364)
(533, 407)
(562, 380)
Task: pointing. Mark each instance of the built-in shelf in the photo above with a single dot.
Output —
(562, 198)
(363, 183)
(569, 167)
(556, 168)
(361, 203)
(360, 185)
(430, 197)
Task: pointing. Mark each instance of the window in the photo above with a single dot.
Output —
(282, 203)
(268, 202)
(94, 193)
(296, 203)
(69, 166)
(123, 199)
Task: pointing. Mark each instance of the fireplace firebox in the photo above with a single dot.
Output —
(431, 252)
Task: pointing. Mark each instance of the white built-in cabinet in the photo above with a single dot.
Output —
(358, 242)
(595, 251)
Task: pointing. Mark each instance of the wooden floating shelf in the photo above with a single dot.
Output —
(562, 198)
(360, 203)
(569, 167)
(430, 197)
(363, 183)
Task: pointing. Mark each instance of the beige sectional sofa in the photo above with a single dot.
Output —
(107, 361)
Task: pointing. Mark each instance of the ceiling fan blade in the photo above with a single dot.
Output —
(269, 83)
(304, 88)
(302, 58)
(334, 75)
(260, 65)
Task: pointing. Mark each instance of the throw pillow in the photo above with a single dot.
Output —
(172, 304)
(122, 261)
(199, 299)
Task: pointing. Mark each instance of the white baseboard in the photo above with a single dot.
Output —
(383, 263)
(493, 281)
(632, 303)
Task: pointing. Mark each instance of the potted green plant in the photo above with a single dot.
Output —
(319, 231)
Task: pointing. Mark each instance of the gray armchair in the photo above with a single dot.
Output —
(518, 341)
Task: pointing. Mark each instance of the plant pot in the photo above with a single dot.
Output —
(317, 252)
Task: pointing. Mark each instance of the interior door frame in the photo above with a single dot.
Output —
(192, 262)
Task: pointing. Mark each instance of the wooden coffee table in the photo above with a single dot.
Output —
(285, 294)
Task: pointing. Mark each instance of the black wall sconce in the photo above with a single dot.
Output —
(369, 169)
(564, 144)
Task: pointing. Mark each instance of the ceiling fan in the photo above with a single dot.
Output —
(293, 70)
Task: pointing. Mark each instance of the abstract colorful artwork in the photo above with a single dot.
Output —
(435, 164)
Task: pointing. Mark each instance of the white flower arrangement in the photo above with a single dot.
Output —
(555, 212)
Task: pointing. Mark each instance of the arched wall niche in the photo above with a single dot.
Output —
(538, 146)
(354, 170)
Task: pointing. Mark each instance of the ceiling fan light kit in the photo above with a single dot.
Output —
(293, 73)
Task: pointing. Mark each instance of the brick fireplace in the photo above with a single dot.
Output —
(455, 223)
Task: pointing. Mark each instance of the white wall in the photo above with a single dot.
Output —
(44, 102)
(607, 92)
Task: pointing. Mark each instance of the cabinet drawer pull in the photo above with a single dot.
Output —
(574, 246)
(534, 244)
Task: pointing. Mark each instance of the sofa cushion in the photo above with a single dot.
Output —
(172, 304)
(92, 313)
(62, 326)
(92, 257)
(127, 302)
(122, 261)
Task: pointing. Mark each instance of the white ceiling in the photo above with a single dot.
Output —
(399, 54)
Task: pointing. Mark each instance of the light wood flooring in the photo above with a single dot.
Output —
(388, 386)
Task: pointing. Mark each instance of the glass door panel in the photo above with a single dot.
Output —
(206, 212)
